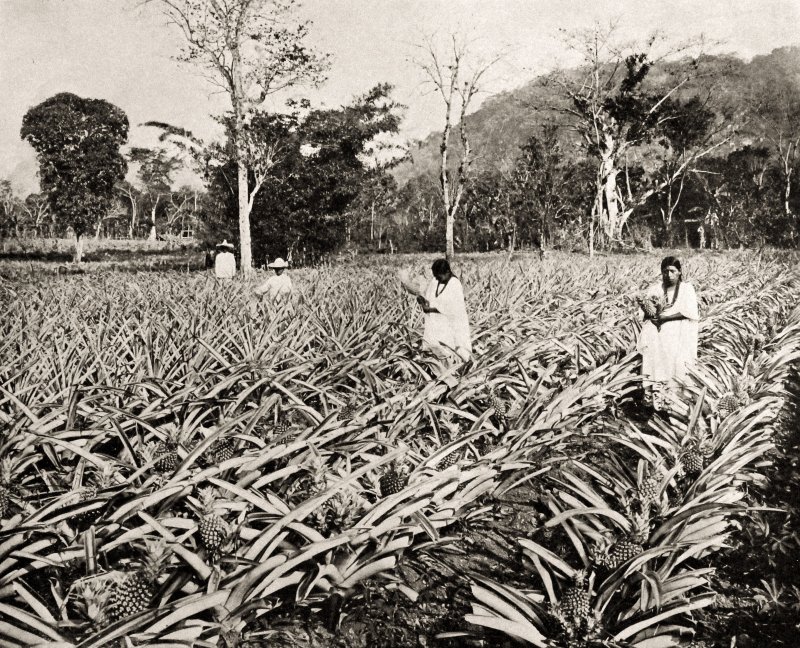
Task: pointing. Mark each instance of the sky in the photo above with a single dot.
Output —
(124, 51)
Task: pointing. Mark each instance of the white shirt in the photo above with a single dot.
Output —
(225, 265)
(276, 285)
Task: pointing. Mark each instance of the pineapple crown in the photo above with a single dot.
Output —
(7, 467)
(155, 557)
(208, 498)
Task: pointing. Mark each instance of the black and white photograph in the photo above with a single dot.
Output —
(400, 324)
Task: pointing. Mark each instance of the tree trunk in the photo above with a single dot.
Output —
(448, 237)
(78, 249)
(132, 224)
(245, 248)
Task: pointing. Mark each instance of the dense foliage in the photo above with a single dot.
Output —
(181, 466)
(713, 164)
(78, 143)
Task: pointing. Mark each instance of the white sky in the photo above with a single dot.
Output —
(120, 51)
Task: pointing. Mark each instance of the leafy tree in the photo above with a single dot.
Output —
(687, 136)
(38, 214)
(9, 209)
(303, 207)
(253, 49)
(740, 204)
(156, 170)
(77, 142)
(614, 110)
(773, 102)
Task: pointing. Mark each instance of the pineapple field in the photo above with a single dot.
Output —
(182, 466)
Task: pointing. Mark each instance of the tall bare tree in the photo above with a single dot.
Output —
(253, 49)
(615, 110)
(456, 74)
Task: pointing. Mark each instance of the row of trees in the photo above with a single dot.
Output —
(635, 147)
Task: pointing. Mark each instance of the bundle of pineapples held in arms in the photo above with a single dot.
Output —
(652, 306)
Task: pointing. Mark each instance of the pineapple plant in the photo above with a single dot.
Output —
(211, 528)
(135, 590)
(393, 480)
(574, 612)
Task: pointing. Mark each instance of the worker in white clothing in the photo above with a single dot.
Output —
(278, 285)
(225, 262)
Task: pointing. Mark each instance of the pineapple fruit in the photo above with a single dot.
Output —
(450, 431)
(574, 608)
(727, 405)
(626, 547)
(6, 478)
(211, 527)
(392, 481)
(500, 407)
(136, 590)
(649, 489)
(9, 484)
(693, 460)
(166, 456)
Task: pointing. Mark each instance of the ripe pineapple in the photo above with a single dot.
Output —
(7, 475)
(650, 305)
(693, 460)
(649, 490)
(392, 481)
(499, 406)
(219, 451)
(136, 590)
(575, 601)
(211, 527)
(450, 460)
(166, 456)
(727, 405)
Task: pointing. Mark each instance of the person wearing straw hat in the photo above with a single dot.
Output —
(225, 262)
(278, 285)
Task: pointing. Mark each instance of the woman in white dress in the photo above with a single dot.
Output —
(668, 340)
(446, 332)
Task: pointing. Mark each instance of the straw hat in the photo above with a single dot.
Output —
(225, 244)
(278, 263)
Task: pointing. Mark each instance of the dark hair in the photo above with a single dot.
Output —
(670, 261)
(441, 266)
(675, 262)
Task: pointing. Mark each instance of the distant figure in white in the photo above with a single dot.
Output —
(278, 285)
(668, 340)
(446, 332)
(225, 262)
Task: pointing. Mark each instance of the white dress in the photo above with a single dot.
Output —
(448, 330)
(225, 265)
(667, 354)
